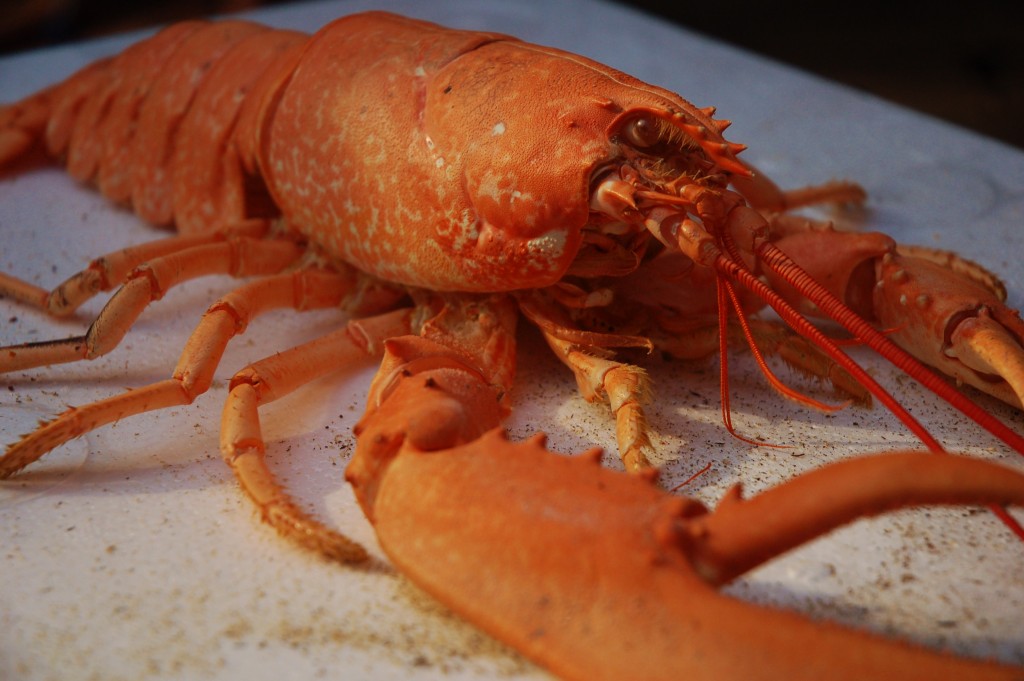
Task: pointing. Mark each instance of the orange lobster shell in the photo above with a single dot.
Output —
(502, 251)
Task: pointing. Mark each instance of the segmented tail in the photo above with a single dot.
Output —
(168, 126)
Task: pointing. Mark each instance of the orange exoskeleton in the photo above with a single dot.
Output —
(440, 185)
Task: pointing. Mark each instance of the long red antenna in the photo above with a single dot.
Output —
(801, 325)
(773, 258)
(773, 380)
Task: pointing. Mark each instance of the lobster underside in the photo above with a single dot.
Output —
(590, 572)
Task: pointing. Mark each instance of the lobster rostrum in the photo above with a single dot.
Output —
(440, 184)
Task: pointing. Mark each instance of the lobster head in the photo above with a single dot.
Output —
(516, 154)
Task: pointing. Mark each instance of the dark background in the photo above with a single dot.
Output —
(962, 61)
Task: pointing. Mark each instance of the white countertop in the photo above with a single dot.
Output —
(131, 554)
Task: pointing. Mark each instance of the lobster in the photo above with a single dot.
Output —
(609, 213)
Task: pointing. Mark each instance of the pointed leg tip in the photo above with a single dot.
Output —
(294, 524)
(32, 446)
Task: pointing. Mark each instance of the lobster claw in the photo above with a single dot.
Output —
(953, 320)
(597, 574)
(944, 310)
(601, 575)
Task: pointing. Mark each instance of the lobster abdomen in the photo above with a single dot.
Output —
(169, 125)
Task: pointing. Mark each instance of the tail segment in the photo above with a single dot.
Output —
(167, 126)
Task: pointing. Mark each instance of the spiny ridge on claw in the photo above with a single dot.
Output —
(591, 456)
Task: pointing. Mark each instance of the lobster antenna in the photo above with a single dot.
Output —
(773, 380)
(723, 363)
(733, 250)
(726, 294)
(801, 325)
(773, 258)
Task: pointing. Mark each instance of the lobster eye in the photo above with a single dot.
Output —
(641, 132)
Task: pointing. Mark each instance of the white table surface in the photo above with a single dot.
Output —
(131, 554)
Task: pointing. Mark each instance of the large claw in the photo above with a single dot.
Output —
(954, 322)
(600, 575)
(597, 574)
